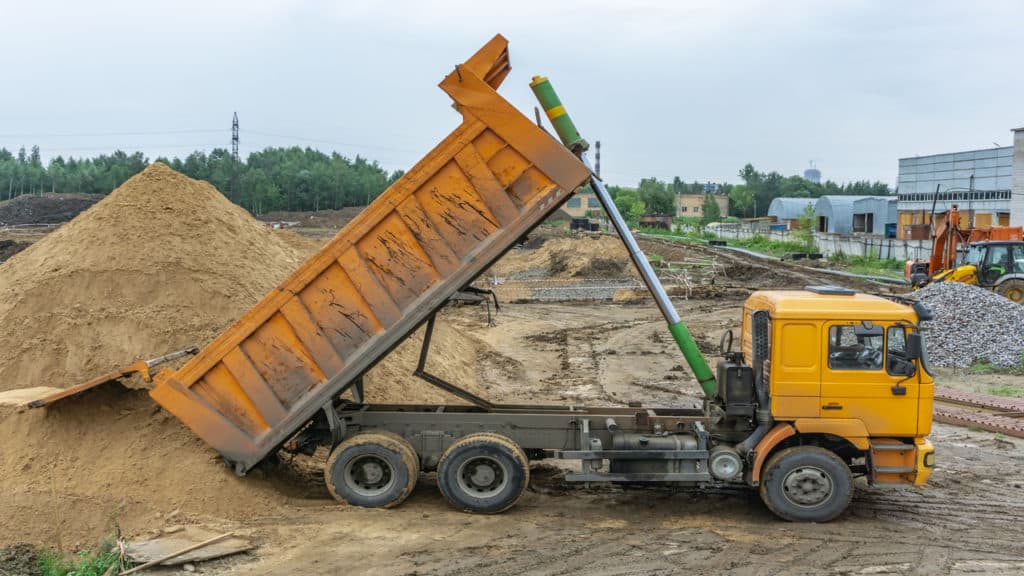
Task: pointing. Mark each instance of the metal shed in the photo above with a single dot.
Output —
(835, 213)
(788, 210)
(873, 214)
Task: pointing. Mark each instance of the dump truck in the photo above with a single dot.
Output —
(825, 384)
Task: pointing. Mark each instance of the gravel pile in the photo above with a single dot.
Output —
(971, 323)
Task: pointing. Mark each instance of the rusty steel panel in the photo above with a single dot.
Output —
(1008, 425)
(495, 177)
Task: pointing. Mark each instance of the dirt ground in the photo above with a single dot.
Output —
(968, 519)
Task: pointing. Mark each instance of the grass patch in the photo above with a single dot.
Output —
(759, 243)
(85, 563)
(984, 366)
(891, 267)
(1007, 390)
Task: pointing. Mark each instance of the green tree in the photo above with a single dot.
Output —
(635, 212)
(805, 229)
(657, 196)
(741, 200)
(710, 211)
(624, 201)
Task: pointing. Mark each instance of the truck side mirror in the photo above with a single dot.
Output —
(913, 345)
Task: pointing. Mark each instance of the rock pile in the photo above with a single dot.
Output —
(971, 323)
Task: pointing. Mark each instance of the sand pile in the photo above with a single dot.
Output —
(161, 263)
(569, 257)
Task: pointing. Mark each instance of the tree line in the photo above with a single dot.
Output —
(272, 179)
(300, 179)
(747, 200)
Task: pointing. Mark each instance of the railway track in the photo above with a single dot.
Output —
(991, 413)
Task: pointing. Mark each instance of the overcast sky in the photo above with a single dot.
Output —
(689, 88)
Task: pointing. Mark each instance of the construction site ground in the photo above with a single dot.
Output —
(969, 519)
(574, 328)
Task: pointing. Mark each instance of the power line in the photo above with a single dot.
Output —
(332, 142)
(91, 134)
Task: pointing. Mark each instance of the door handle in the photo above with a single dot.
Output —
(832, 407)
(898, 390)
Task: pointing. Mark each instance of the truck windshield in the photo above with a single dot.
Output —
(975, 254)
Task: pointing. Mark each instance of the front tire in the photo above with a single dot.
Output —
(485, 473)
(372, 470)
(806, 484)
(1013, 289)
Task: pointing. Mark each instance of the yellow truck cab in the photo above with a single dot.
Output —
(847, 374)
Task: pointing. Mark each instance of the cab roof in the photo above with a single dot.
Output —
(804, 304)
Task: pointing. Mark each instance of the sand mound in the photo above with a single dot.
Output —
(569, 257)
(163, 262)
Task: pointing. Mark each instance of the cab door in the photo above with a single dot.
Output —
(862, 379)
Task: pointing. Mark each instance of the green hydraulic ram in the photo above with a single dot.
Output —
(570, 136)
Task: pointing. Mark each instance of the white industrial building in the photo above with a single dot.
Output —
(987, 185)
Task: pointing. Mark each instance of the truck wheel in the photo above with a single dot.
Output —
(1012, 289)
(483, 472)
(806, 484)
(372, 470)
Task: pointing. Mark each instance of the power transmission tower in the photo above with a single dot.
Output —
(234, 192)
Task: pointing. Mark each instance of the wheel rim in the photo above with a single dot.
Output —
(1015, 294)
(807, 486)
(369, 475)
(482, 477)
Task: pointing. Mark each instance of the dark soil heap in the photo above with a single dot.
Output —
(45, 209)
(9, 248)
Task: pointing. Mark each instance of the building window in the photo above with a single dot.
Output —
(593, 203)
(573, 203)
(696, 209)
(682, 209)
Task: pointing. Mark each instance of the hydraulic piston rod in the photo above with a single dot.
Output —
(571, 138)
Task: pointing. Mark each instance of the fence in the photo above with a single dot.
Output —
(867, 245)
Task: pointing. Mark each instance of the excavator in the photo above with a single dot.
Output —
(990, 257)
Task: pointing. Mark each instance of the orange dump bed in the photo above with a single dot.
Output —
(432, 232)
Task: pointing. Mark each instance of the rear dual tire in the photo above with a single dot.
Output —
(372, 470)
(485, 473)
